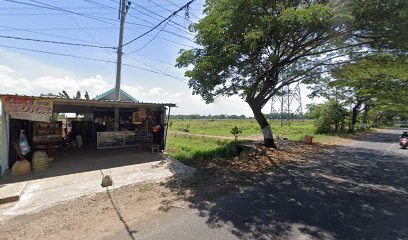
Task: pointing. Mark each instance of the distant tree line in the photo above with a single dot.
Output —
(274, 116)
(198, 116)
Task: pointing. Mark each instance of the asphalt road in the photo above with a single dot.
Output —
(359, 191)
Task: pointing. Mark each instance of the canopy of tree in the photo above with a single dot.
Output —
(254, 48)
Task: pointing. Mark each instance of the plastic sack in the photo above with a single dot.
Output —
(79, 141)
(23, 143)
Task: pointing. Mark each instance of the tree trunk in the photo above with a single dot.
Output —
(365, 118)
(354, 115)
(266, 128)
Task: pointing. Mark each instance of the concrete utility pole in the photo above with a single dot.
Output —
(123, 10)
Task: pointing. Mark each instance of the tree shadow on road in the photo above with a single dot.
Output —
(344, 193)
(372, 137)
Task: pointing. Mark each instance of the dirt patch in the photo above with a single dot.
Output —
(221, 176)
(334, 141)
(92, 216)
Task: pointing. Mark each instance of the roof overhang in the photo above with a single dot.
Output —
(83, 105)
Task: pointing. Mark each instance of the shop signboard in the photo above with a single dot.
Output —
(28, 108)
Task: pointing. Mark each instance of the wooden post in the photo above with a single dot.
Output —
(5, 139)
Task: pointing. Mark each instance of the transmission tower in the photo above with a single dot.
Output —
(287, 105)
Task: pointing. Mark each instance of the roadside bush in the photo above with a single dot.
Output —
(330, 117)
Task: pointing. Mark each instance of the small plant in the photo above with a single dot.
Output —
(186, 129)
(236, 132)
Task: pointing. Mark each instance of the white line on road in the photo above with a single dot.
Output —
(389, 148)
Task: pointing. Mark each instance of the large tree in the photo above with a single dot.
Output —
(254, 48)
(373, 80)
(381, 22)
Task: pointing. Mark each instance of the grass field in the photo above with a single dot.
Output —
(296, 131)
(187, 148)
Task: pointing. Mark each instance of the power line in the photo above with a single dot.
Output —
(33, 30)
(192, 14)
(46, 14)
(168, 10)
(101, 19)
(99, 4)
(41, 33)
(157, 25)
(151, 40)
(85, 31)
(158, 70)
(152, 24)
(172, 23)
(107, 61)
(56, 42)
(34, 8)
(81, 57)
(50, 7)
(183, 27)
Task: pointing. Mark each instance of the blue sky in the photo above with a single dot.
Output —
(96, 22)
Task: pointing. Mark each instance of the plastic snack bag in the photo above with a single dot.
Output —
(23, 143)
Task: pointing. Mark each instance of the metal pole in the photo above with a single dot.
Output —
(281, 114)
(167, 127)
(5, 138)
(123, 12)
(289, 117)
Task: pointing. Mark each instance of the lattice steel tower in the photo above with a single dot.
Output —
(287, 105)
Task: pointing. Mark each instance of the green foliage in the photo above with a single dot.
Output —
(253, 48)
(382, 23)
(186, 128)
(257, 46)
(64, 94)
(380, 81)
(330, 117)
(236, 132)
(78, 95)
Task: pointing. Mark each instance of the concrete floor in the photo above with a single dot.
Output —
(88, 159)
(79, 173)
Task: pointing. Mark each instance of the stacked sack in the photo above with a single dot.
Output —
(41, 162)
(21, 167)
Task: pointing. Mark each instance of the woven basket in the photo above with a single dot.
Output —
(40, 161)
(21, 167)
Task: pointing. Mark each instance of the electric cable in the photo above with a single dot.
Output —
(167, 18)
(56, 42)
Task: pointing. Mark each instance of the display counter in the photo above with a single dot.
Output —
(122, 139)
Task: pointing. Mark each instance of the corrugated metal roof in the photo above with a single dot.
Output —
(92, 102)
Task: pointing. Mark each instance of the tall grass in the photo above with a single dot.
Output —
(295, 131)
(189, 148)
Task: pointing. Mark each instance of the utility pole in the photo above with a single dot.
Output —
(123, 11)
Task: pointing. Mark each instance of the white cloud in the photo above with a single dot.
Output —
(15, 82)
(50, 84)
(4, 69)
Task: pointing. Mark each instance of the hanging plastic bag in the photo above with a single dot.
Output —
(23, 143)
